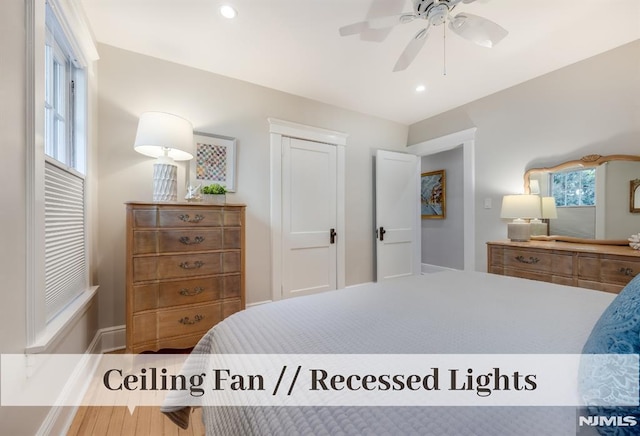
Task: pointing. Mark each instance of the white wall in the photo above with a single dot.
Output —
(443, 240)
(131, 83)
(589, 107)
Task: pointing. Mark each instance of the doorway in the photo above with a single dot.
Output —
(466, 140)
(307, 209)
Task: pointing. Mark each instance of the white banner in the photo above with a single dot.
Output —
(319, 380)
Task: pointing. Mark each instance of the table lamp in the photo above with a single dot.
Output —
(168, 138)
(549, 211)
(520, 208)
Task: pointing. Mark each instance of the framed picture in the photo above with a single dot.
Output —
(214, 162)
(433, 195)
(634, 196)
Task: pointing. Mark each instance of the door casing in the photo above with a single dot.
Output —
(277, 129)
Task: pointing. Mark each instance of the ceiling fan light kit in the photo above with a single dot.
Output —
(474, 28)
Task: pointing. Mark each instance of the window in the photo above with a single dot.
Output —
(574, 188)
(64, 173)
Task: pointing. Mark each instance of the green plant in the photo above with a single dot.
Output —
(215, 189)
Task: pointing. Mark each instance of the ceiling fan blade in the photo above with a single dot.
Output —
(411, 50)
(477, 29)
(353, 29)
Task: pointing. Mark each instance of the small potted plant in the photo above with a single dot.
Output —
(214, 193)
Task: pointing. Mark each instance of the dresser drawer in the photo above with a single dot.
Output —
(618, 271)
(496, 257)
(589, 268)
(608, 269)
(166, 323)
(144, 218)
(229, 307)
(205, 217)
(180, 292)
(177, 293)
(176, 266)
(539, 261)
(233, 217)
(166, 241)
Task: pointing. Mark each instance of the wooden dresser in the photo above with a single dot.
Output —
(185, 271)
(603, 267)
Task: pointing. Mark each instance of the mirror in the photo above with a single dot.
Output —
(634, 197)
(609, 217)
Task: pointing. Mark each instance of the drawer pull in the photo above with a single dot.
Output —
(187, 240)
(187, 293)
(531, 260)
(197, 264)
(627, 271)
(187, 219)
(188, 321)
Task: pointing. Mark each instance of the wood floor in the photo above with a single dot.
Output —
(117, 421)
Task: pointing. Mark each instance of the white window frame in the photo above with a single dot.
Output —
(564, 174)
(76, 38)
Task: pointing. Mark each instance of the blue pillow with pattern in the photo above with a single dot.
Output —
(616, 332)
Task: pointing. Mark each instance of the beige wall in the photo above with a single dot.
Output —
(13, 216)
(131, 83)
(589, 107)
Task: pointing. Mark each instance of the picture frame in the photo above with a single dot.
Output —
(214, 161)
(433, 195)
(634, 196)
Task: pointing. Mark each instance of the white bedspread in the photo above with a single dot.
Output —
(443, 313)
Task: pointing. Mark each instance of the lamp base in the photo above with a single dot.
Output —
(165, 182)
(539, 228)
(519, 231)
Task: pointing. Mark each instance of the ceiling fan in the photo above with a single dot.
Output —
(474, 28)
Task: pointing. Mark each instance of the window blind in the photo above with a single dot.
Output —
(65, 257)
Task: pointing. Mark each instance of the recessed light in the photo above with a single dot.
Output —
(228, 11)
(421, 88)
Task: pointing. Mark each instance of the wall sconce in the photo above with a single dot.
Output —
(168, 138)
(520, 208)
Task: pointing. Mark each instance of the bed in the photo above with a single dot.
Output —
(449, 312)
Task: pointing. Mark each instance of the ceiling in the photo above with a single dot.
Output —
(294, 46)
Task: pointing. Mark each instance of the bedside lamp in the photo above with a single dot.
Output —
(168, 138)
(519, 208)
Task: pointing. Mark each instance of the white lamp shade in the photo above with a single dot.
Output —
(521, 206)
(160, 132)
(549, 207)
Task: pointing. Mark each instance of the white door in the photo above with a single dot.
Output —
(309, 217)
(397, 214)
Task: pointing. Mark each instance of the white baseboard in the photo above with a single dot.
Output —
(59, 419)
(112, 338)
(427, 268)
(259, 303)
(358, 284)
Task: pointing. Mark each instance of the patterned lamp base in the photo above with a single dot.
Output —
(165, 182)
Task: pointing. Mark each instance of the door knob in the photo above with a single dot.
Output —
(382, 232)
(332, 236)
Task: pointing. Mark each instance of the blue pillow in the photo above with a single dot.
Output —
(616, 332)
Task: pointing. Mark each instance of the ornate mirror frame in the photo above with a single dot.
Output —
(591, 160)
